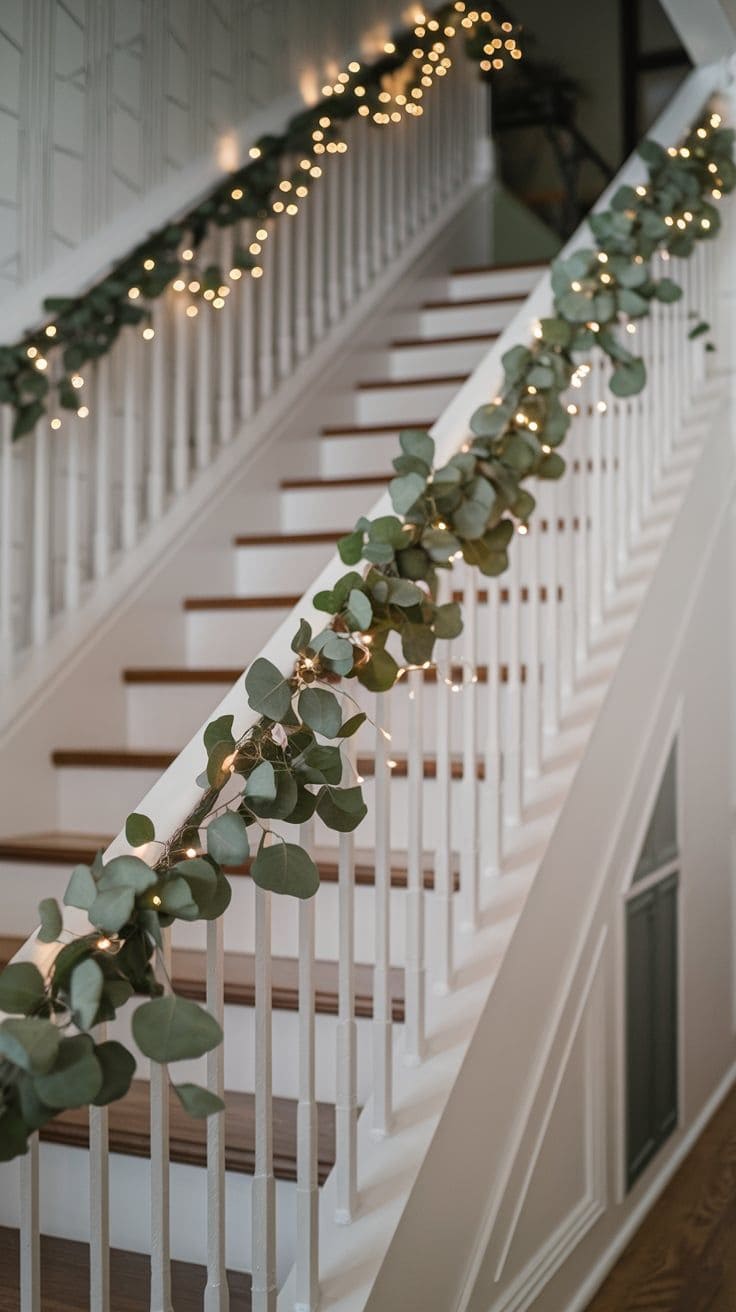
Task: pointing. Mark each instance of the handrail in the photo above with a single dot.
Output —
(174, 793)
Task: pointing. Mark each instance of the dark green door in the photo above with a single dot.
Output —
(651, 1022)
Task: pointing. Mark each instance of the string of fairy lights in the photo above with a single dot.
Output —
(404, 88)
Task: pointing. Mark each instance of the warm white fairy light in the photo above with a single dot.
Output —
(77, 380)
(134, 293)
(56, 424)
(50, 330)
(149, 264)
(83, 411)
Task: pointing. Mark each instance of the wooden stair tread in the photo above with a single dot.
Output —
(189, 979)
(453, 380)
(162, 674)
(400, 769)
(509, 297)
(498, 268)
(65, 1279)
(271, 602)
(370, 430)
(130, 1132)
(315, 536)
(399, 342)
(359, 480)
(56, 848)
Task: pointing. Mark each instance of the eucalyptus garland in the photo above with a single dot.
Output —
(41, 373)
(383, 618)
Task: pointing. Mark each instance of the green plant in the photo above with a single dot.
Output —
(289, 766)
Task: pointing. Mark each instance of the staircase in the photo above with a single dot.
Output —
(348, 1019)
(408, 382)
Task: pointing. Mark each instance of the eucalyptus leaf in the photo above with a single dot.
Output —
(174, 1029)
(268, 690)
(22, 988)
(198, 1102)
(286, 868)
(81, 890)
(320, 709)
(139, 830)
(227, 839)
(31, 1043)
(85, 993)
(51, 920)
(118, 1068)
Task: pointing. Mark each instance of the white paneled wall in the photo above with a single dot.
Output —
(103, 100)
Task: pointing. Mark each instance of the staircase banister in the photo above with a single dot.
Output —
(175, 793)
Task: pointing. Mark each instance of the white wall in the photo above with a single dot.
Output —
(531, 1147)
(101, 101)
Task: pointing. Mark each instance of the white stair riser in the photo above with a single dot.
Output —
(98, 799)
(328, 507)
(494, 282)
(23, 885)
(169, 713)
(230, 637)
(342, 457)
(65, 1176)
(405, 405)
(436, 359)
(264, 570)
(461, 319)
(239, 1030)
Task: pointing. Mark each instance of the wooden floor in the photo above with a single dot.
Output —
(683, 1258)
(65, 1280)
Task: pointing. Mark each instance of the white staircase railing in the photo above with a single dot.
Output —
(521, 663)
(84, 489)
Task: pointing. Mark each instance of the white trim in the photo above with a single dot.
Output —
(604, 1264)
(574, 1029)
(573, 1228)
(643, 885)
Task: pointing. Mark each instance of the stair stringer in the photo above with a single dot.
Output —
(483, 1140)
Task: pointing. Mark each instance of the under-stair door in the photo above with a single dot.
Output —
(652, 986)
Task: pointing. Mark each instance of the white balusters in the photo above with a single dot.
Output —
(216, 1295)
(30, 1230)
(160, 1168)
(40, 599)
(226, 324)
(307, 1183)
(284, 241)
(469, 853)
(264, 1197)
(493, 760)
(157, 348)
(248, 291)
(346, 1101)
(414, 1038)
(99, 1201)
(266, 293)
(181, 394)
(131, 345)
(442, 956)
(6, 535)
(382, 1018)
(102, 444)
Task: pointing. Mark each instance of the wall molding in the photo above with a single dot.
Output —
(564, 1239)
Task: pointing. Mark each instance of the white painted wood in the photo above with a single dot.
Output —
(40, 598)
(30, 1230)
(6, 536)
(102, 435)
(346, 1083)
(216, 1293)
(307, 1249)
(415, 971)
(441, 950)
(160, 1166)
(382, 1019)
(263, 1290)
(99, 1201)
(469, 843)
